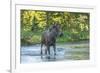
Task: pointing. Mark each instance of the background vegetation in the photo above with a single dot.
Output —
(75, 26)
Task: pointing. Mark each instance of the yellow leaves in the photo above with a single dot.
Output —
(57, 19)
(81, 26)
(42, 24)
(87, 28)
(82, 18)
(69, 21)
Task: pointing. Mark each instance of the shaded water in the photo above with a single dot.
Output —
(72, 51)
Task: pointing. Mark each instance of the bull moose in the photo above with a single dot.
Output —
(48, 38)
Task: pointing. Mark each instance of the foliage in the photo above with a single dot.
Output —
(75, 26)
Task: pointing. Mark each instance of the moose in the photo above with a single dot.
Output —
(48, 38)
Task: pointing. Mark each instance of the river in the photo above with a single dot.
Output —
(64, 52)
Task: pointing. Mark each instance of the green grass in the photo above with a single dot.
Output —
(29, 38)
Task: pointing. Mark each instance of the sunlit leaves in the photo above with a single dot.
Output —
(75, 24)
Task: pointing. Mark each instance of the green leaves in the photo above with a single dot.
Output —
(74, 25)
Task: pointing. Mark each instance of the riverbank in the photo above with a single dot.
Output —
(31, 38)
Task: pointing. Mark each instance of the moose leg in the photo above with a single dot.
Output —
(41, 50)
(54, 47)
(46, 51)
(48, 48)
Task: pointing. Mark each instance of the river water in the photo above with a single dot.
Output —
(64, 52)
